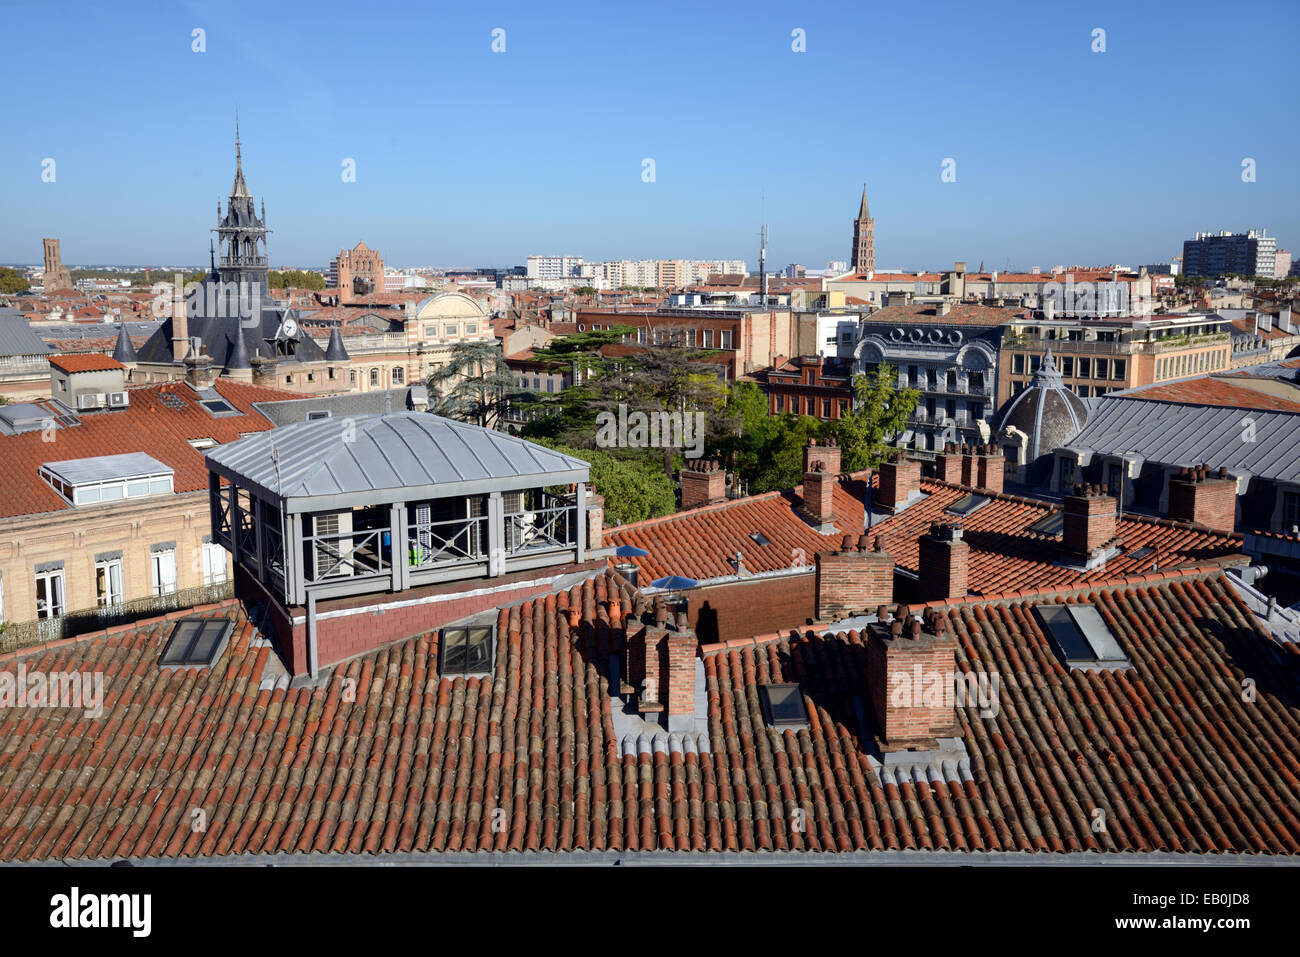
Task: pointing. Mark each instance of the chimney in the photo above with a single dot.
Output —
(703, 483)
(943, 308)
(947, 465)
(852, 580)
(990, 469)
(661, 669)
(180, 324)
(198, 370)
(1206, 497)
(967, 466)
(821, 473)
(1088, 532)
(943, 563)
(899, 482)
(911, 670)
(264, 370)
(595, 519)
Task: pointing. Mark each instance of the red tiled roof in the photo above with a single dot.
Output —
(1004, 553)
(387, 756)
(85, 362)
(1214, 391)
(149, 424)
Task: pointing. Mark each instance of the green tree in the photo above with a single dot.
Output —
(295, 278)
(475, 385)
(11, 280)
(879, 411)
(633, 488)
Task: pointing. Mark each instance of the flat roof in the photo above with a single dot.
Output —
(343, 462)
(106, 468)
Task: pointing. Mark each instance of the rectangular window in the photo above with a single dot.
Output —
(1067, 474)
(1017, 363)
(1067, 366)
(450, 330)
(1085, 368)
(471, 328)
(1102, 368)
(1290, 510)
(467, 650)
(826, 408)
(725, 339)
(108, 582)
(214, 564)
(1034, 363)
(1084, 392)
(162, 561)
(780, 403)
(1120, 367)
(708, 338)
(49, 593)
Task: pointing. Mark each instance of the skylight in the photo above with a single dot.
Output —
(1146, 551)
(108, 478)
(196, 642)
(466, 650)
(1081, 637)
(783, 705)
(967, 504)
(760, 539)
(219, 407)
(1050, 525)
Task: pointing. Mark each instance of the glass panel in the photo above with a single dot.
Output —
(111, 493)
(454, 651)
(137, 488)
(478, 657)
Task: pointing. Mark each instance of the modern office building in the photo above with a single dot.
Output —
(1221, 254)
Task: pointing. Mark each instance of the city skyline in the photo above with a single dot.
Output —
(443, 177)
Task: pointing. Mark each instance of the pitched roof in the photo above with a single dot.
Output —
(1005, 553)
(17, 338)
(387, 756)
(1207, 390)
(84, 362)
(159, 421)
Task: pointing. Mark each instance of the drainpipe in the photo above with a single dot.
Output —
(312, 657)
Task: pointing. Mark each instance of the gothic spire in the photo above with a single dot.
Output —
(863, 212)
(124, 349)
(240, 189)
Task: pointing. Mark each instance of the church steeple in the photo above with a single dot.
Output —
(863, 211)
(863, 259)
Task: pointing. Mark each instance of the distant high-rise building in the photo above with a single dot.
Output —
(553, 267)
(1223, 253)
(1281, 264)
(864, 238)
(56, 274)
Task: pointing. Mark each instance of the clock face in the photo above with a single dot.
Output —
(289, 328)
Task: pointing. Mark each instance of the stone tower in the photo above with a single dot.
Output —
(864, 239)
(56, 274)
(241, 233)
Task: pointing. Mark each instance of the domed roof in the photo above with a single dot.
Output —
(450, 305)
(1047, 412)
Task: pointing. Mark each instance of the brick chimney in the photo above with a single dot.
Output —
(265, 371)
(1200, 495)
(910, 670)
(899, 482)
(943, 563)
(198, 370)
(990, 469)
(1090, 518)
(661, 669)
(180, 324)
(703, 483)
(826, 453)
(820, 475)
(947, 465)
(853, 579)
(595, 519)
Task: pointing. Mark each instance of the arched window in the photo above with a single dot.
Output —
(352, 376)
(374, 378)
(399, 375)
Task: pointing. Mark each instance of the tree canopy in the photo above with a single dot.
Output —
(11, 280)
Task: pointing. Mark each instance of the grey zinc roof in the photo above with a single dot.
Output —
(17, 337)
(1179, 434)
(103, 468)
(403, 456)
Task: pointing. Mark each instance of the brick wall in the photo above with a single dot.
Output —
(681, 650)
(850, 582)
(990, 471)
(943, 563)
(703, 483)
(947, 465)
(743, 608)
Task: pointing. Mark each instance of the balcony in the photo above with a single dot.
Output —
(242, 262)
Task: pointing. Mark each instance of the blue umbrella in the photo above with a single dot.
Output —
(674, 583)
(629, 551)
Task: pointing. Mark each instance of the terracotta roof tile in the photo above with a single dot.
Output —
(85, 362)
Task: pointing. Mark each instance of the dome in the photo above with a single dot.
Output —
(450, 305)
(1047, 413)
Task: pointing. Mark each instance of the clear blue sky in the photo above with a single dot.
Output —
(469, 157)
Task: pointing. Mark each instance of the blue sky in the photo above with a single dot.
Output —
(469, 157)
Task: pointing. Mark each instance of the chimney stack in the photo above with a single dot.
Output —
(852, 580)
(990, 469)
(180, 324)
(821, 473)
(899, 482)
(948, 465)
(703, 483)
(661, 669)
(1089, 525)
(943, 563)
(198, 370)
(1206, 497)
(595, 519)
(907, 662)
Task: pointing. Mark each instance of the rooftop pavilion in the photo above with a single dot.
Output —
(347, 506)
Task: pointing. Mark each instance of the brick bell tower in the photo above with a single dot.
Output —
(864, 238)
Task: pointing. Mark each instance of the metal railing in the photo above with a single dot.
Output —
(542, 529)
(361, 553)
(21, 634)
(453, 542)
